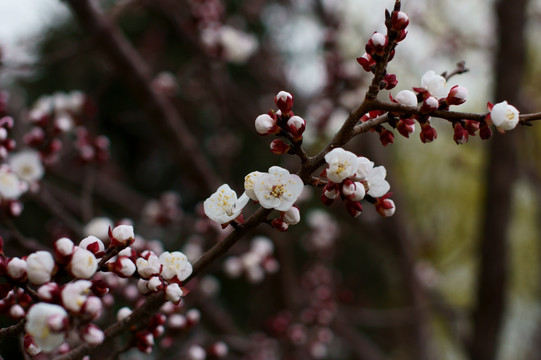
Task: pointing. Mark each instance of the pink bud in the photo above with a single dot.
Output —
(284, 102)
(92, 335)
(399, 20)
(279, 224)
(460, 135)
(385, 207)
(366, 62)
(405, 127)
(428, 133)
(389, 81)
(354, 208)
(296, 126)
(429, 105)
(457, 95)
(485, 132)
(348, 187)
(279, 147)
(386, 137)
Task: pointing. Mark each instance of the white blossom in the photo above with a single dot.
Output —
(10, 186)
(359, 192)
(83, 263)
(504, 116)
(75, 294)
(39, 267)
(342, 165)
(377, 185)
(223, 206)
(196, 352)
(27, 165)
(151, 266)
(435, 84)
(278, 189)
(249, 182)
(38, 325)
(175, 264)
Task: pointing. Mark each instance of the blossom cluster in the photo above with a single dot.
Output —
(354, 177)
(276, 189)
(36, 287)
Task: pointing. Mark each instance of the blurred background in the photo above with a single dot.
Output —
(453, 275)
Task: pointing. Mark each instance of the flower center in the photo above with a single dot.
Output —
(277, 191)
(509, 115)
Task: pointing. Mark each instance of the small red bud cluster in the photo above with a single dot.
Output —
(284, 123)
(91, 149)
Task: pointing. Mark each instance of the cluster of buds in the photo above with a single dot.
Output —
(381, 48)
(353, 178)
(276, 189)
(7, 144)
(91, 149)
(51, 117)
(255, 263)
(36, 286)
(282, 123)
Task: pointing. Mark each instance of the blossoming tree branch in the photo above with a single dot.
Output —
(56, 297)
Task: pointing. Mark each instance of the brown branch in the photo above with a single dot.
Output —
(137, 73)
(13, 330)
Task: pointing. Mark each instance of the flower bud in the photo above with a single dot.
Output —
(173, 293)
(292, 216)
(284, 101)
(348, 187)
(389, 82)
(406, 97)
(63, 248)
(279, 147)
(471, 126)
(386, 137)
(399, 20)
(279, 224)
(405, 127)
(296, 126)
(485, 132)
(49, 292)
(359, 192)
(376, 44)
(94, 245)
(155, 284)
(366, 62)
(16, 269)
(92, 335)
(385, 206)
(123, 313)
(460, 135)
(354, 208)
(428, 133)
(83, 264)
(457, 95)
(39, 267)
(122, 235)
(429, 105)
(266, 124)
(123, 267)
(504, 116)
(92, 307)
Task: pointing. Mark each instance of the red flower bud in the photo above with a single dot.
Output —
(461, 135)
(279, 147)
